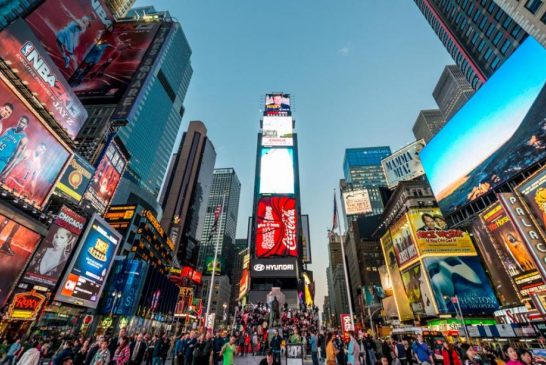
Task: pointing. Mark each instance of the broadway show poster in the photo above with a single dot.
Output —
(276, 225)
(419, 294)
(400, 297)
(533, 191)
(75, 179)
(68, 29)
(31, 158)
(52, 255)
(404, 246)
(464, 278)
(108, 67)
(17, 243)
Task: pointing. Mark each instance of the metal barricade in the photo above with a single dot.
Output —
(294, 354)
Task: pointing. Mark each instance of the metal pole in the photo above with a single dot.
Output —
(371, 321)
(462, 320)
(214, 262)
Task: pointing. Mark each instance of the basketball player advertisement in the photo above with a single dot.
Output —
(68, 29)
(24, 53)
(17, 243)
(31, 158)
(276, 227)
(109, 66)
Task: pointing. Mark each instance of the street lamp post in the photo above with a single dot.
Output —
(117, 295)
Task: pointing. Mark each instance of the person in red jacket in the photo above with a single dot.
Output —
(450, 355)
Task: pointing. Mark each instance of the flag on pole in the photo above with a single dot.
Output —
(334, 219)
(217, 212)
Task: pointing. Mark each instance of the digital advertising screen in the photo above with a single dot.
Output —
(462, 277)
(109, 66)
(357, 202)
(276, 227)
(498, 133)
(31, 158)
(75, 179)
(209, 264)
(533, 191)
(120, 217)
(68, 29)
(277, 131)
(277, 104)
(25, 55)
(403, 244)
(52, 255)
(128, 277)
(85, 277)
(419, 294)
(277, 171)
(17, 244)
(404, 164)
(106, 179)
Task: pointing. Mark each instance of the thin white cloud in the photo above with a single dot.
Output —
(344, 51)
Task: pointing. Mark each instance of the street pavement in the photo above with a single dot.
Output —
(255, 360)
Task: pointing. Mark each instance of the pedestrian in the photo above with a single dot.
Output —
(353, 350)
(473, 358)
(422, 351)
(30, 356)
(217, 344)
(122, 355)
(527, 358)
(165, 346)
(450, 355)
(228, 351)
(511, 355)
(81, 353)
(138, 349)
(313, 343)
(371, 357)
(202, 353)
(65, 352)
(400, 352)
(340, 350)
(12, 352)
(102, 355)
(268, 359)
(275, 346)
(190, 346)
(178, 351)
(330, 350)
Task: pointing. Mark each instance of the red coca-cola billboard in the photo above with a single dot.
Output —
(276, 227)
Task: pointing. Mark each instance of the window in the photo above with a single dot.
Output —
(488, 54)
(533, 5)
(475, 38)
(495, 63)
(517, 29)
(497, 38)
(507, 22)
(490, 29)
(505, 46)
(483, 23)
(482, 44)
(543, 19)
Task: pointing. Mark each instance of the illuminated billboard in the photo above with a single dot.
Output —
(75, 179)
(404, 164)
(498, 133)
(86, 275)
(462, 277)
(68, 29)
(277, 104)
(22, 51)
(109, 66)
(17, 243)
(277, 171)
(533, 191)
(120, 217)
(107, 177)
(305, 239)
(402, 240)
(31, 158)
(276, 222)
(357, 202)
(209, 264)
(417, 290)
(277, 131)
(52, 255)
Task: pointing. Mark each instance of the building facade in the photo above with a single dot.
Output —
(119, 8)
(529, 14)
(220, 299)
(427, 124)
(452, 91)
(362, 166)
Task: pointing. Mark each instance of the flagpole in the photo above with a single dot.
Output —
(214, 264)
(344, 263)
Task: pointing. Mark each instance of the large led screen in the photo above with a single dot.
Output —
(26, 56)
(277, 104)
(17, 243)
(277, 131)
(109, 66)
(31, 158)
(496, 134)
(404, 164)
(277, 171)
(276, 223)
(68, 29)
(75, 179)
(86, 275)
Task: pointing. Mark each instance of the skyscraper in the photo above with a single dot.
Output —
(362, 166)
(479, 35)
(529, 14)
(119, 8)
(428, 123)
(452, 91)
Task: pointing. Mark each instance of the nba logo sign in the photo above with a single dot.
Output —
(27, 48)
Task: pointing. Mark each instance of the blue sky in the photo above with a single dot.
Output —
(359, 72)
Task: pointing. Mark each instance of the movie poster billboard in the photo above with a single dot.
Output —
(462, 277)
(404, 164)
(357, 202)
(17, 243)
(107, 69)
(498, 133)
(85, 277)
(533, 191)
(399, 293)
(277, 104)
(31, 158)
(433, 237)
(22, 51)
(107, 177)
(418, 292)
(403, 243)
(277, 131)
(277, 171)
(75, 179)
(276, 222)
(68, 29)
(53, 253)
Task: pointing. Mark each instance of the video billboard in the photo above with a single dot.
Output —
(209, 264)
(533, 191)
(433, 237)
(277, 171)
(464, 277)
(357, 202)
(25, 55)
(276, 223)
(404, 164)
(419, 294)
(403, 244)
(277, 131)
(52, 255)
(68, 29)
(17, 243)
(120, 217)
(277, 104)
(499, 132)
(107, 69)
(85, 277)
(31, 158)
(75, 179)
(107, 177)
(126, 277)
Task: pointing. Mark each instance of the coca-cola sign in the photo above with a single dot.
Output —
(276, 227)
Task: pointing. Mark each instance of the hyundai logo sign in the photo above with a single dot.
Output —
(259, 267)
